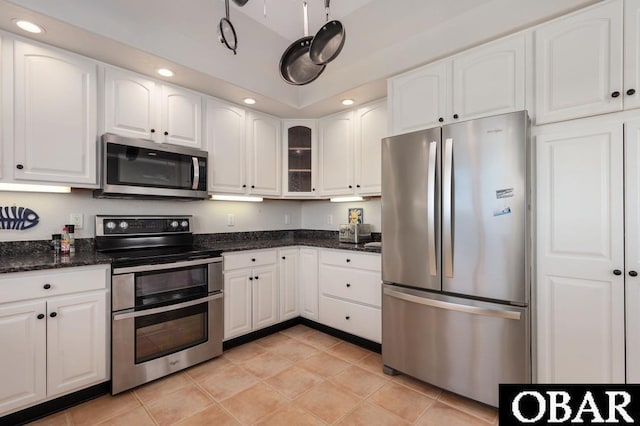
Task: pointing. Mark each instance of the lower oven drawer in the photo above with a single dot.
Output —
(152, 343)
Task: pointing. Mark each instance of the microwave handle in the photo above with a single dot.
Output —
(196, 173)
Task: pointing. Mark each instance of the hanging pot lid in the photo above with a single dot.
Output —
(226, 32)
(328, 42)
(296, 67)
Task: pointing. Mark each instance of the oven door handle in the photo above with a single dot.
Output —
(161, 266)
(168, 308)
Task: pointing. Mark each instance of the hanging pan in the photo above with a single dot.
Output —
(226, 32)
(329, 40)
(296, 67)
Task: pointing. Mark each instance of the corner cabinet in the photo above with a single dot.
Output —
(480, 82)
(54, 328)
(308, 284)
(299, 158)
(55, 116)
(136, 106)
(289, 272)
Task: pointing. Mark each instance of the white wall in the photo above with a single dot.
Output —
(210, 216)
(314, 214)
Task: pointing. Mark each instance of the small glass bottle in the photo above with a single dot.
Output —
(72, 240)
(55, 243)
(64, 241)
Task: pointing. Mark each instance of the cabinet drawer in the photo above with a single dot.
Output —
(249, 259)
(350, 259)
(31, 285)
(360, 320)
(354, 284)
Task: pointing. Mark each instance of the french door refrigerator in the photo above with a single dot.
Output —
(455, 269)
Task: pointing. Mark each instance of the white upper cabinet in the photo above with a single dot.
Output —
(299, 142)
(580, 253)
(263, 159)
(336, 154)
(370, 128)
(225, 141)
(131, 104)
(138, 107)
(418, 99)
(632, 54)
(55, 116)
(489, 80)
(579, 64)
(181, 117)
(480, 82)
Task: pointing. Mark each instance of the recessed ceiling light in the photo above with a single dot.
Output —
(165, 72)
(29, 26)
(347, 102)
(249, 101)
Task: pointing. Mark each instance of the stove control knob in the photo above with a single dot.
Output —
(111, 225)
(184, 224)
(124, 225)
(174, 224)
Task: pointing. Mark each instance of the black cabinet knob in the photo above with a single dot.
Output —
(253, 186)
(348, 285)
(19, 166)
(347, 317)
(631, 92)
(256, 277)
(40, 316)
(348, 260)
(350, 186)
(153, 130)
(455, 116)
(283, 257)
(250, 278)
(441, 120)
(357, 186)
(617, 272)
(53, 314)
(313, 189)
(46, 286)
(253, 259)
(166, 133)
(633, 274)
(244, 186)
(615, 94)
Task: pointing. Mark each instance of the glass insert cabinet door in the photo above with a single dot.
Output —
(300, 157)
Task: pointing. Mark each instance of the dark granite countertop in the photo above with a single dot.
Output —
(22, 256)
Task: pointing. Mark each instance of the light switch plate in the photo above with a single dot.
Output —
(231, 219)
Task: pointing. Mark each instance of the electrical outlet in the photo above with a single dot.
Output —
(231, 219)
(76, 219)
(287, 219)
(329, 219)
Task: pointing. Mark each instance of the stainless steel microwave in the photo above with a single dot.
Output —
(140, 168)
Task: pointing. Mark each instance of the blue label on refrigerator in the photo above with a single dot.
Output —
(502, 212)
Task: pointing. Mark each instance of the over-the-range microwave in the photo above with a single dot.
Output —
(141, 168)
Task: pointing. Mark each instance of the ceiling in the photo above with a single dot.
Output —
(384, 38)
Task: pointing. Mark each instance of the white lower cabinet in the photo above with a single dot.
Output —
(289, 265)
(308, 285)
(53, 345)
(250, 293)
(350, 292)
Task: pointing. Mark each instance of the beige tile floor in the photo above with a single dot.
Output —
(299, 376)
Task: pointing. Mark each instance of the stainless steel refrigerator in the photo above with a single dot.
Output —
(455, 226)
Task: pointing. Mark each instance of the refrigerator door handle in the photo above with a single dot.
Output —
(512, 315)
(447, 204)
(431, 209)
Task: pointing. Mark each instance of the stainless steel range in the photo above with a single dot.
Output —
(167, 300)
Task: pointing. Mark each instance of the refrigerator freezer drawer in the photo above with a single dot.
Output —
(465, 346)
(363, 321)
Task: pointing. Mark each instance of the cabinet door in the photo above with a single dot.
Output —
(263, 134)
(289, 273)
(23, 355)
(308, 283)
(579, 64)
(632, 247)
(336, 154)
(299, 158)
(580, 242)
(237, 303)
(265, 296)
(130, 104)
(417, 100)
(181, 117)
(225, 130)
(76, 342)
(489, 80)
(55, 116)
(631, 54)
(371, 127)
